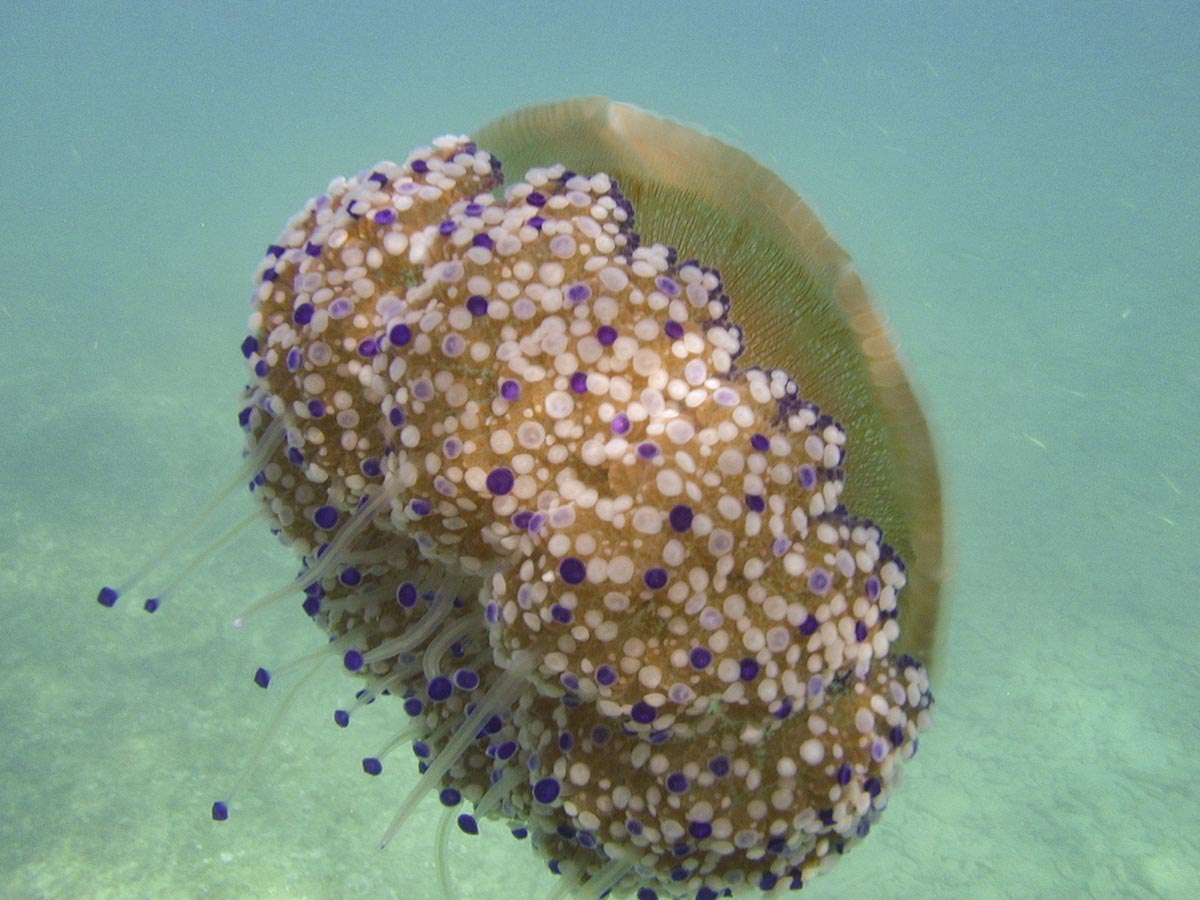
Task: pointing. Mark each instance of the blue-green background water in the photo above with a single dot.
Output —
(1017, 181)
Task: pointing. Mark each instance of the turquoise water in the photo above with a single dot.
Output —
(1020, 187)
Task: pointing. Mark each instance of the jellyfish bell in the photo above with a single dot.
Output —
(799, 300)
(612, 477)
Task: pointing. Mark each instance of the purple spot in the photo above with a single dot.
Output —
(420, 166)
(647, 450)
(756, 503)
(316, 408)
(809, 626)
(372, 766)
(808, 477)
(440, 688)
(655, 578)
(872, 587)
(353, 660)
(477, 305)
(536, 199)
(482, 240)
(860, 631)
(606, 335)
(385, 216)
(668, 286)
(313, 250)
(325, 517)
(719, 766)
(507, 750)
(546, 790)
(760, 442)
(572, 570)
(748, 669)
(579, 382)
(673, 330)
(500, 481)
(561, 614)
(368, 347)
(643, 713)
(620, 424)
(680, 518)
(577, 293)
(677, 783)
(606, 675)
(400, 335)
(700, 657)
(510, 390)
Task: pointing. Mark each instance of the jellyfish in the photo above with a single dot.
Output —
(610, 478)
